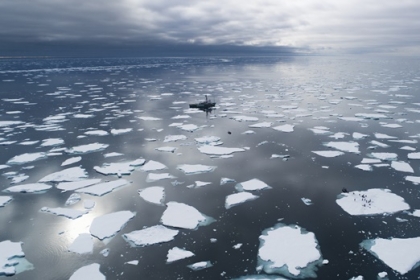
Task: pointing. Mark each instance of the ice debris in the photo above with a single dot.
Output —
(71, 161)
(328, 154)
(284, 128)
(26, 158)
(71, 186)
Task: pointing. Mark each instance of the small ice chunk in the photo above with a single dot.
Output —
(119, 168)
(52, 142)
(181, 215)
(152, 177)
(237, 246)
(252, 185)
(379, 144)
(151, 235)
(154, 195)
(174, 138)
(414, 155)
(188, 127)
(71, 186)
(414, 179)
(149, 119)
(66, 175)
(384, 136)
(261, 125)
(248, 132)
(83, 244)
(328, 154)
(10, 254)
(166, 149)
(385, 156)
(104, 188)
(26, 158)
(351, 147)
(29, 188)
(113, 154)
(88, 148)
(133, 262)
(244, 118)
(307, 201)
(109, 224)
(71, 161)
(402, 166)
(382, 275)
(408, 148)
(213, 150)
(371, 202)
(120, 131)
(208, 140)
(200, 265)
(4, 200)
(289, 250)
(73, 199)
(224, 181)
(88, 272)
(190, 169)
(370, 160)
(238, 198)
(152, 165)
(65, 212)
(396, 253)
(97, 132)
(176, 254)
(358, 136)
(104, 252)
(285, 128)
(364, 167)
(371, 116)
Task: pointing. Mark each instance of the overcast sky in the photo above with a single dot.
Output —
(147, 27)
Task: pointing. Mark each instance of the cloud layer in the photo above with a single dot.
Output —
(303, 26)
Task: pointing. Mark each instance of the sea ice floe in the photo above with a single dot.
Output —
(289, 250)
(10, 254)
(384, 136)
(65, 212)
(88, 148)
(402, 166)
(88, 204)
(88, 272)
(252, 185)
(52, 142)
(119, 168)
(307, 201)
(244, 118)
(151, 235)
(133, 262)
(73, 199)
(200, 265)
(284, 128)
(226, 180)
(190, 169)
(103, 188)
(364, 167)
(154, 195)
(213, 150)
(4, 200)
(261, 125)
(83, 116)
(414, 179)
(153, 177)
(166, 149)
(108, 225)
(83, 244)
(66, 175)
(71, 161)
(413, 156)
(371, 202)
(113, 154)
(358, 136)
(248, 132)
(385, 156)
(238, 198)
(26, 158)
(97, 132)
(397, 253)
(181, 215)
(29, 188)
(188, 127)
(371, 116)
(152, 165)
(209, 140)
(149, 119)
(328, 154)
(71, 186)
(120, 131)
(379, 144)
(174, 138)
(176, 254)
(351, 147)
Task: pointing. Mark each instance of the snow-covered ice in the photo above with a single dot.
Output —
(252, 185)
(29, 188)
(88, 272)
(397, 253)
(120, 131)
(151, 235)
(71, 186)
(109, 224)
(261, 125)
(285, 128)
(174, 138)
(10, 254)
(414, 179)
(413, 155)
(385, 156)
(88, 148)
(351, 147)
(166, 149)
(52, 142)
(213, 150)
(83, 244)
(154, 195)
(4, 200)
(190, 169)
(371, 202)
(289, 250)
(402, 166)
(208, 140)
(200, 265)
(67, 175)
(152, 165)
(65, 212)
(104, 188)
(153, 177)
(181, 215)
(26, 158)
(176, 254)
(119, 168)
(238, 198)
(328, 154)
(71, 161)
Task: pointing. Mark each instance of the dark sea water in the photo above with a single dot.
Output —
(306, 92)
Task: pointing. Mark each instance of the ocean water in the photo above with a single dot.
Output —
(357, 107)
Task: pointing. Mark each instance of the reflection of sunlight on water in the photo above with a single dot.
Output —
(71, 229)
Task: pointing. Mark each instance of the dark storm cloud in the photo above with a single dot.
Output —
(140, 27)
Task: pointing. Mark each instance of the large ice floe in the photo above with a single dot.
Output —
(289, 250)
(88, 272)
(88, 148)
(176, 254)
(213, 150)
(26, 158)
(252, 185)
(66, 175)
(371, 202)
(151, 235)
(181, 215)
(400, 254)
(103, 188)
(29, 188)
(108, 225)
(190, 169)
(238, 198)
(154, 195)
(10, 254)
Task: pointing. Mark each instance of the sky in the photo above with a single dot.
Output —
(215, 27)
